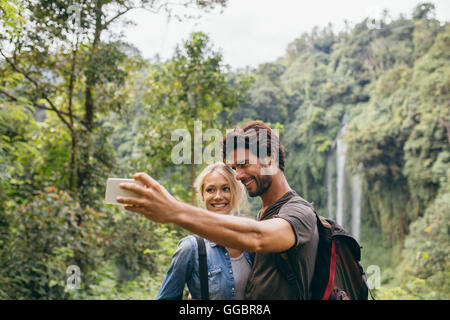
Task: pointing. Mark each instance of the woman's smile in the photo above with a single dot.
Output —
(219, 205)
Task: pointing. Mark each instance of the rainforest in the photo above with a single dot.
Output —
(363, 115)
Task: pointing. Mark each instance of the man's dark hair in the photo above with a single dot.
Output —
(255, 136)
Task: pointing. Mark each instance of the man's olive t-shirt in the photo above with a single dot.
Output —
(267, 281)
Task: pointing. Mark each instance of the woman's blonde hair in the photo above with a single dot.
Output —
(238, 195)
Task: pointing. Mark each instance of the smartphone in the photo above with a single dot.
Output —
(113, 190)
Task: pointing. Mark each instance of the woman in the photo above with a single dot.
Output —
(228, 268)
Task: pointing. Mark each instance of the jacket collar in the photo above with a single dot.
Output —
(212, 244)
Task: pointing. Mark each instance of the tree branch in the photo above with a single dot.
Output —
(121, 13)
(36, 84)
(35, 104)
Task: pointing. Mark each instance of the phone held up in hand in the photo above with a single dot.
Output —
(113, 190)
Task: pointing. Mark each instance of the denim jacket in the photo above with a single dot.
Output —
(184, 268)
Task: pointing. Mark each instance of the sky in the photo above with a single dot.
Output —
(251, 32)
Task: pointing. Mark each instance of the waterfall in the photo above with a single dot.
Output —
(356, 202)
(329, 182)
(344, 185)
(341, 149)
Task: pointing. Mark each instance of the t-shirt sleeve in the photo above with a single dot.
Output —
(302, 220)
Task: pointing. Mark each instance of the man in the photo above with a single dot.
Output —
(284, 223)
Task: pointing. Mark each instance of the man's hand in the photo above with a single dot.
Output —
(157, 203)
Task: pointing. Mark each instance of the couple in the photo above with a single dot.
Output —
(285, 223)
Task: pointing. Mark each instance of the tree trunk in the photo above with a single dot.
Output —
(73, 132)
(73, 163)
(84, 169)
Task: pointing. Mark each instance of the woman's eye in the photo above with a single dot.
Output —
(209, 190)
(226, 189)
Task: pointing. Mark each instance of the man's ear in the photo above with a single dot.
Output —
(268, 166)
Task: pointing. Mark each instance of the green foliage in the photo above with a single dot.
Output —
(77, 107)
(135, 269)
(107, 287)
(193, 86)
(377, 250)
(63, 90)
(45, 236)
(392, 83)
(415, 289)
(16, 151)
(132, 245)
(10, 18)
(416, 283)
(426, 253)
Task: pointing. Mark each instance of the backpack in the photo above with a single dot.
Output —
(203, 268)
(338, 274)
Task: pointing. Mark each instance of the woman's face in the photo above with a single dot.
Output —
(217, 193)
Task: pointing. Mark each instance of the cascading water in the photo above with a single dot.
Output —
(355, 185)
(341, 149)
(329, 176)
(356, 202)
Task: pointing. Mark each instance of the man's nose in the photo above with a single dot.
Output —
(239, 174)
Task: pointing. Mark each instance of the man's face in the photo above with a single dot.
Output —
(248, 169)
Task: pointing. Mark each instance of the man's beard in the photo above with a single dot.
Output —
(263, 184)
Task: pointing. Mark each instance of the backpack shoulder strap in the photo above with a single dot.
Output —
(203, 268)
(285, 260)
(287, 257)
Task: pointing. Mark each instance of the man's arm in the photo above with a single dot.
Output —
(242, 233)
(158, 205)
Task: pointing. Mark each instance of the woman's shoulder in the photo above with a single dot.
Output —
(186, 249)
(188, 243)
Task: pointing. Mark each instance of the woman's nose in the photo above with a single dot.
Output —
(218, 195)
